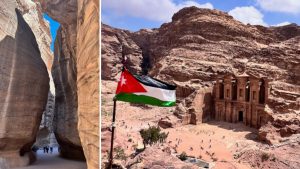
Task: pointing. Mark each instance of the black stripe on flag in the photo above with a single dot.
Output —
(149, 81)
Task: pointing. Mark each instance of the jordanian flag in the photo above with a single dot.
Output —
(144, 89)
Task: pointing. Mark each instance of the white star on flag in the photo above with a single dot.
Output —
(123, 81)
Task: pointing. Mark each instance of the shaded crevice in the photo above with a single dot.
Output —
(64, 72)
(122, 46)
(66, 147)
(146, 61)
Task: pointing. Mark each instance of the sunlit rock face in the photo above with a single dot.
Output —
(33, 15)
(115, 44)
(24, 84)
(88, 80)
(200, 44)
(75, 73)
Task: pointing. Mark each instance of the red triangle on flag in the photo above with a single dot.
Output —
(128, 84)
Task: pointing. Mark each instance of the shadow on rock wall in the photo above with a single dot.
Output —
(24, 86)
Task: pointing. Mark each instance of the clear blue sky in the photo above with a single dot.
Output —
(136, 14)
(53, 28)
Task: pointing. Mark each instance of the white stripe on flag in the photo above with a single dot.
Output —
(159, 93)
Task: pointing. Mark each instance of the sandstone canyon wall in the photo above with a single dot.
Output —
(75, 71)
(65, 119)
(24, 81)
(88, 80)
(199, 44)
(25, 46)
(64, 74)
(34, 17)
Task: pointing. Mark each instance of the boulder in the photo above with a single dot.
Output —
(154, 157)
(269, 134)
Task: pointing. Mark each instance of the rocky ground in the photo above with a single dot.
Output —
(221, 144)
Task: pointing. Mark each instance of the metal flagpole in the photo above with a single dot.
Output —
(112, 135)
(114, 117)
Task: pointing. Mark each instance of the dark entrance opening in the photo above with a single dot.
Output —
(193, 118)
(241, 116)
(234, 90)
(262, 92)
(247, 92)
(260, 120)
(221, 91)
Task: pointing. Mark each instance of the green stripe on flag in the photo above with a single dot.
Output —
(132, 98)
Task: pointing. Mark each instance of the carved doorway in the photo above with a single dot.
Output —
(241, 116)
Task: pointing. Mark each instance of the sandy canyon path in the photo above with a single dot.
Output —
(53, 161)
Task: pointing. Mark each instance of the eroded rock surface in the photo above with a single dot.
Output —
(65, 12)
(88, 80)
(24, 83)
(66, 118)
(199, 44)
(64, 74)
(34, 16)
(155, 157)
(115, 44)
(76, 72)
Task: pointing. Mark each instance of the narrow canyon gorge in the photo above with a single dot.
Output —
(44, 91)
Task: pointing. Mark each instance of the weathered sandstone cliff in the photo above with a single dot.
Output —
(115, 44)
(64, 76)
(75, 73)
(88, 80)
(32, 13)
(66, 119)
(64, 73)
(200, 44)
(24, 81)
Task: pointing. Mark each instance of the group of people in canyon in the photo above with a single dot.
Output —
(47, 149)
